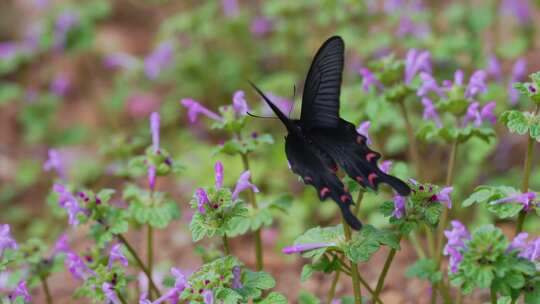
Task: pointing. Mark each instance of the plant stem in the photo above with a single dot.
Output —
(442, 225)
(493, 295)
(257, 233)
(413, 148)
(417, 246)
(332, 291)
(46, 289)
(121, 297)
(140, 263)
(386, 267)
(354, 267)
(527, 166)
(149, 252)
(226, 244)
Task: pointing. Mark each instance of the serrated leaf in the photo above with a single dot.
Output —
(274, 298)
(307, 271)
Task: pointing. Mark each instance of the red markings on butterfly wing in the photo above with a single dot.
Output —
(370, 156)
(371, 177)
(344, 198)
(359, 179)
(324, 191)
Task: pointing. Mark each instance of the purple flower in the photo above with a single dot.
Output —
(386, 166)
(230, 8)
(399, 206)
(110, 293)
(8, 50)
(64, 23)
(458, 78)
(60, 85)
(218, 168)
(154, 127)
(237, 277)
(527, 250)
(456, 243)
(116, 255)
(416, 62)
(408, 27)
(430, 112)
(180, 284)
(239, 104)
(519, 71)
(195, 108)
(285, 105)
(305, 247)
(203, 200)
(429, 84)
(369, 79)
(260, 27)
(477, 84)
(208, 297)
(363, 129)
(119, 61)
(478, 116)
(527, 199)
(243, 183)
(77, 267)
(152, 177)
(54, 163)
(67, 201)
(520, 9)
(62, 244)
(21, 291)
(494, 67)
(444, 196)
(158, 60)
(6, 241)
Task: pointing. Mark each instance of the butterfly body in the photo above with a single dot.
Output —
(320, 141)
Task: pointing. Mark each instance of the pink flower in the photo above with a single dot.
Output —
(154, 127)
(21, 291)
(444, 196)
(386, 166)
(6, 241)
(363, 129)
(54, 163)
(399, 206)
(369, 79)
(527, 199)
(243, 183)
(203, 200)
(239, 104)
(218, 168)
(415, 62)
(456, 244)
(116, 254)
(158, 60)
(139, 104)
(305, 247)
(195, 108)
(110, 293)
(430, 112)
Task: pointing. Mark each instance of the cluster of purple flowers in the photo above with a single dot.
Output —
(519, 73)
(443, 197)
(195, 108)
(243, 183)
(459, 235)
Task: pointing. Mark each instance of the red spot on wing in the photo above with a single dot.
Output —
(372, 177)
(370, 156)
(334, 167)
(344, 198)
(359, 179)
(324, 191)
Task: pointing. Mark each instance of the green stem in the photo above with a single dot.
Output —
(257, 233)
(416, 245)
(527, 166)
(493, 296)
(413, 148)
(386, 267)
(150, 253)
(121, 297)
(375, 298)
(140, 264)
(46, 289)
(332, 291)
(226, 248)
(442, 225)
(354, 267)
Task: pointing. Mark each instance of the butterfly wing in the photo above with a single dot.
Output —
(315, 169)
(320, 100)
(349, 150)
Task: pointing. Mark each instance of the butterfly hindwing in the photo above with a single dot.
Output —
(349, 150)
(320, 100)
(315, 170)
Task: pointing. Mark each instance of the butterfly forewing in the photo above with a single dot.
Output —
(320, 100)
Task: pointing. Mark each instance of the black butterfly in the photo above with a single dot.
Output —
(320, 140)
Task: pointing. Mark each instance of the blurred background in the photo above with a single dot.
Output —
(83, 77)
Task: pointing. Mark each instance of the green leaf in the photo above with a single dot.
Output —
(305, 297)
(260, 280)
(274, 298)
(307, 271)
(424, 269)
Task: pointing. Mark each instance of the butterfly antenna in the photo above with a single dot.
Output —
(292, 101)
(257, 116)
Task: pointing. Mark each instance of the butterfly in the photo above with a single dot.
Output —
(320, 141)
